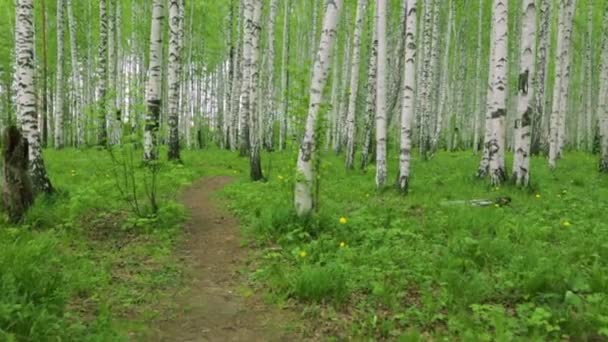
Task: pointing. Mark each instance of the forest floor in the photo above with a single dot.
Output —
(215, 305)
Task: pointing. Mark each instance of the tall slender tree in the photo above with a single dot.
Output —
(254, 113)
(498, 109)
(59, 94)
(102, 77)
(26, 93)
(408, 103)
(354, 86)
(153, 88)
(303, 194)
(381, 95)
(602, 109)
(174, 76)
(525, 89)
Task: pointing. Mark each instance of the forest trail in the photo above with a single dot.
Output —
(211, 308)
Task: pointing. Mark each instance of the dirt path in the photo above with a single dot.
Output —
(211, 309)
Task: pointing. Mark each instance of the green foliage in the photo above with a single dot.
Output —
(535, 269)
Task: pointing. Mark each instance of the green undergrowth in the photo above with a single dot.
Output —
(83, 266)
(430, 266)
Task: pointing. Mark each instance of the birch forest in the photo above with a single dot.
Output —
(304, 170)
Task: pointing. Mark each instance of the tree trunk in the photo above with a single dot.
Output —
(268, 109)
(525, 107)
(174, 77)
(540, 82)
(59, 94)
(153, 88)
(602, 109)
(26, 94)
(102, 77)
(245, 111)
(303, 199)
(284, 77)
(408, 105)
(354, 86)
(370, 101)
(562, 80)
(381, 135)
(254, 113)
(496, 144)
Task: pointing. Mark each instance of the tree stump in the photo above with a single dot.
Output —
(17, 190)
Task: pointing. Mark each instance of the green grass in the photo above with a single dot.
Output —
(421, 266)
(83, 267)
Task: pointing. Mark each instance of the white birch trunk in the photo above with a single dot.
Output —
(525, 107)
(26, 93)
(59, 94)
(496, 144)
(303, 199)
(254, 113)
(245, 112)
(284, 77)
(408, 104)
(102, 77)
(370, 101)
(602, 109)
(354, 86)
(153, 88)
(562, 76)
(381, 136)
(174, 76)
(268, 109)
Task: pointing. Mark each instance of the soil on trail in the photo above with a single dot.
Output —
(211, 308)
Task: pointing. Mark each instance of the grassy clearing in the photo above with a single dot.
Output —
(83, 267)
(422, 266)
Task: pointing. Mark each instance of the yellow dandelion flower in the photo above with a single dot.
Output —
(497, 205)
(342, 244)
(280, 177)
(343, 220)
(537, 195)
(303, 254)
(566, 223)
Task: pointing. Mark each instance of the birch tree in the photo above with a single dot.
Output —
(58, 131)
(381, 135)
(540, 81)
(284, 76)
(408, 105)
(254, 113)
(525, 89)
(562, 78)
(174, 76)
(602, 109)
(102, 77)
(153, 87)
(303, 194)
(370, 100)
(75, 76)
(26, 93)
(245, 111)
(498, 109)
(354, 86)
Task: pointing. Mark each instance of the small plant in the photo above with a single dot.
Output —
(320, 283)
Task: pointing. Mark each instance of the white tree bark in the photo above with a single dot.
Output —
(525, 107)
(26, 93)
(254, 113)
(354, 86)
(284, 77)
(174, 76)
(245, 112)
(541, 80)
(496, 144)
(59, 85)
(153, 88)
(76, 77)
(268, 108)
(425, 78)
(408, 103)
(602, 109)
(102, 77)
(303, 199)
(381, 136)
(370, 101)
(562, 80)
(478, 80)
